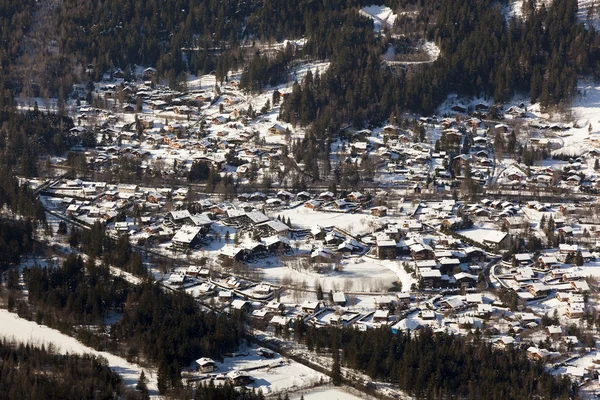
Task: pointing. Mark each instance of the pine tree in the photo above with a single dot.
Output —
(336, 370)
(142, 385)
(319, 292)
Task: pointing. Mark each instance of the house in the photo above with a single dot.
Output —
(205, 365)
(403, 298)
(179, 217)
(536, 354)
(280, 321)
(381, 315)
(386, 249)
(272, 228)
(310, 306)
(277, 130)
(186, 237)
(515, 223)
(431, 278)
(379, 211)
(312, 204)
(232, 253)
(321, 255)
(504, 342)
(276, 244)
(538, 289)
(421, 252)
(340, 298)
(241, 305)
(547, 262)
(356, 197)
(554, 331)
(523, 258)
(240, 378)
(580, 286)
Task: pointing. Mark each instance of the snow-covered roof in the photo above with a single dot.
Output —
(186, 234)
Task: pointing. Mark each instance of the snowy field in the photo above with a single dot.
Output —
(272, 375)
(327, 394)
(356, 224)
(357, 274)
(21, 330)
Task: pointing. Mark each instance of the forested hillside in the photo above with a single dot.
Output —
(164, 327)
(437, 365)
(35, 373)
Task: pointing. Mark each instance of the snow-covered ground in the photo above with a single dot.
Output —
(432, 50)
(272, 375)
(382, 16)
(355, 223)
(585, 111)
(21, 330)
(328, 393)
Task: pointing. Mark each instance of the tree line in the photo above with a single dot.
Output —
(438, 365)
(29, 372)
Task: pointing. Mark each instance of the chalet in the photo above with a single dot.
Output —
(448, 264)
(580, 286)
(334, 238)
(475, 255)
(317, 233)
(504, 342)
(576, 310)
(310, 306)
(201, 221)
(515, 223)
(340, 298)
(381, 316)
(271, 228)
(326, 196)
(149, 73)
(356, 197)
(219, 120)
(277, 130)
(568, 248)
(547, 262)
(312, 204)
(205, 365)
(240, 378)
(232, 253)
(275, 307)
(538, 289)
(321, 256)
(303, 196)
(386, 249)
(379, 211)
(186, 237)
(254, 249)
(280, 321)
(179, 217)
(277, 244)
(241, 305)
(246, 219)
(466, 280)
(431, 278)
(537, 354)
(554, 331)
(177, 279)
(421, 252)
(225, 296)
(523, 258)
(390, 130)
(403, 298)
